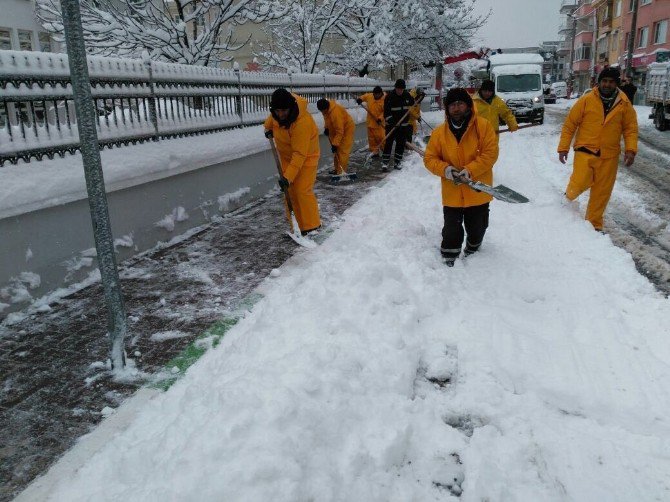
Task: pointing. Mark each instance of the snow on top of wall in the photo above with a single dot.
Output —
(46, 64)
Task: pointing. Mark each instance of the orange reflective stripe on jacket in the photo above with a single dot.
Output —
(596, 132)
(299, 142)
(477, 152)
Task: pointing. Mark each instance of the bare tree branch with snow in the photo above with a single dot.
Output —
(420, 31)
(199, 32)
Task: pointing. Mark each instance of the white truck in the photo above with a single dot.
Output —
(518, 81)
(657, 92)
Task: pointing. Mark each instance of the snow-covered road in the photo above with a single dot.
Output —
(534, 370)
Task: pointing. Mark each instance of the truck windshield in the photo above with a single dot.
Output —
(519, 83)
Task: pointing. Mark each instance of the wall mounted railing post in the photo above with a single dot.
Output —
(153, 114)
(238, 99)
(95, 185)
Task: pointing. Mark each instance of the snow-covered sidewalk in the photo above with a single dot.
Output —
(537, 369)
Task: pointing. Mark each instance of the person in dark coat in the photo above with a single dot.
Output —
(628, 88)
(396, 105)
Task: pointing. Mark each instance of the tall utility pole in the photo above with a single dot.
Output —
(631, 41)
(95, 183)
(571, 79)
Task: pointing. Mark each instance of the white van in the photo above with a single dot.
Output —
(560, 89)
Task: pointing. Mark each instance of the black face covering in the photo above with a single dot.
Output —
(292, 116)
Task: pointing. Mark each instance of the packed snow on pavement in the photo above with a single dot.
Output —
(536, 369)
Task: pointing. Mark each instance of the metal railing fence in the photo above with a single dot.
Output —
(140, 101)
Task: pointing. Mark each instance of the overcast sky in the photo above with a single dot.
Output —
(518, 23)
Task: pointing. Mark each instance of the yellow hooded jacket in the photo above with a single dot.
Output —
(476, 152)
(339, 123)
(297, 144)
(375, 110)
(494, 111)
(596, 132)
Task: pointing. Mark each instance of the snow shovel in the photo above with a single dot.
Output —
(295, 229)
(337, 178)
(426, 138)
(501, 192)
(520, 127)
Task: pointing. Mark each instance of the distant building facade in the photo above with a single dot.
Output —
(20, 31)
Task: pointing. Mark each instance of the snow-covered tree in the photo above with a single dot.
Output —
(199, 32)
(418, 31)
(310, 34)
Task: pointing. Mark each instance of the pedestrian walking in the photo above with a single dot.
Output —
(297, 139)
(464, 147)
(374, 104)
(493, 108)
(628, 88)
(340, 128)
(598, 121)
(397, 105)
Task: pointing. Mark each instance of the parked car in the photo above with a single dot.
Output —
(560, 89)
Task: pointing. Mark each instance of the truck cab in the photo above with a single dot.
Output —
(518, 81)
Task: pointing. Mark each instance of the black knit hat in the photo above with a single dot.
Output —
(377, 90)
(282, 100)
(322, 104)
(610, 72)
(457, 94)
(400, 84)
(488, 85)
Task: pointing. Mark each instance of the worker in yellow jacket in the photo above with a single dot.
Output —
(340, 128)
(374, 104)
(597, 121)
(297, 139)
(493, 108)
(464, 147)
(415, 111)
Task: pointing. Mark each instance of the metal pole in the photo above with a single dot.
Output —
(572, 52)
(631, 41)
(95, 184)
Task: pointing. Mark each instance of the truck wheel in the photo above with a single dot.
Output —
(659, 119)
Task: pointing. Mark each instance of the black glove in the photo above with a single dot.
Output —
(333, 148)
(325, 132)
(283, 183)
(359, 101)
(268, 134)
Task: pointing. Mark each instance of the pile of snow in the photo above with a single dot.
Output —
(536, 369)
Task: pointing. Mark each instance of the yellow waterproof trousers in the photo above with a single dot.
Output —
(376, 138)
(341, 157)
(599, 175)
(301, 193)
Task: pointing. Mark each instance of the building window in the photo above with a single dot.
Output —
(45, 42)
(583, 52)
(5, 39)
(643, 37)
(661, 32)
(25, 40)
(617, 8)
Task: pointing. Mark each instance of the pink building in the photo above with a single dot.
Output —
(652, 41)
